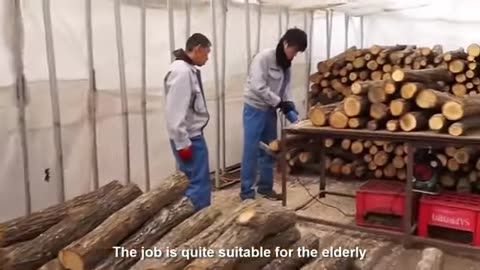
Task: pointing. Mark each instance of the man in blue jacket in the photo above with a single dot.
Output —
(267, 89)
(186, 115)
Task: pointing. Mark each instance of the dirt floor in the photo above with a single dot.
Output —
(381, 253)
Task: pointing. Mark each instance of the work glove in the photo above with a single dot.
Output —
(185, 153)
(287, 106)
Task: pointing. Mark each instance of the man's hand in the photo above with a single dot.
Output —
(287, 106)
(185, 153)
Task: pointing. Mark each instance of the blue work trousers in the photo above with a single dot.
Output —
(198, 173)
(258, 125)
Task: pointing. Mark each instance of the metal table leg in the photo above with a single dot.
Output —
(323, 178)
(283, 166)
(407, 225)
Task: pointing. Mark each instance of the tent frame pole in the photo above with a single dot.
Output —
(308, 55)
(217, 93)
(144, 95)
(57, 132)
(223, 82)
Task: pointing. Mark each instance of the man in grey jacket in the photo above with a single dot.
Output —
(187, 115)
(268, 89)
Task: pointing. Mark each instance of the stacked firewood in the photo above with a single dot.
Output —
(111, 227)
(459, 167)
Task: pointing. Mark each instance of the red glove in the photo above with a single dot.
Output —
(185, 153)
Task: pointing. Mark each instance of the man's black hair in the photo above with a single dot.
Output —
(296, 37)
(195, 40)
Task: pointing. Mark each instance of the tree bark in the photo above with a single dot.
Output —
(410, 89)
(29, 227)
(154, 229)
(282, 240)
(456, 110)
(362, 88)
(90, 249)
(473, 50)
(251, 226)
(357, 122)
(461, 127)
(465, 154)
(455, 54)
(309, 242)
(417, 120)
(79, 221)
(424, 75)
(433, 99)
(185, 231)
(204, 239)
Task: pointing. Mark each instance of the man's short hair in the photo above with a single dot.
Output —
(195, 40)
(296, 37)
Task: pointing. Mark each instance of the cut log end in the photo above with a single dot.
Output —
(70, 260)
(452, 110)
(398, 75)
(456, 129)
(338, 120)
(436, 122)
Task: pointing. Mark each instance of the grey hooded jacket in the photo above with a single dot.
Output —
(186, 111)
(265, 80)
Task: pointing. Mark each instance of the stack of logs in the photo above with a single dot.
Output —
(362, 159)
(409, 89)
(82, 232)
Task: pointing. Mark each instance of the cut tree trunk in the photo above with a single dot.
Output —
(473, 50)
(390, 171)
(379, 111)
(456, 110)
(282, 240)
(381, 158)
(410, 89)
(457, 66)
(90, 249)
(456, 54)
(355, 105)
(417, 120)
(251, 227)
(377, 124)
(450, 151)
(357, 122)
(345, 144)
(204, 239)
(447, 180)
(461, 127)
(453, 165)
(423, 75)
(465, 154)
(145, 237)
(357, 147)
(459, 89)
(432, 99)
(338, 119)
(400, 106)
(443, 159)
(181, 234)
(362, 88)
(29, 227)
(318, 114)
(309, 242)
(393, 125)
(79, 221)
(438, 122)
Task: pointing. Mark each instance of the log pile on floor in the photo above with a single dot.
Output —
(409, 88)
(119, 227)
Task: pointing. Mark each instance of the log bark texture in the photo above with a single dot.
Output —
(309, 241)
(86, 252)
(29, 227)
(78, 222)
(154, 229)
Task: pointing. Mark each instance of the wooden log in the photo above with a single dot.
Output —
(379, 111)
(456, 110)
(361, 88)
(360, 171)
(381, 158)
(377, 75)
(455, 54)
(465, 154)
(389, 50)
(390, 87)
(410, 89)
(393, 125)
(293, 152)
(281, 240)
(461, 78)
(432, 99)
(373, 150)
(30, 226)
(151, 231)
(377, 94)
(447, 180)
(401, 174)
(349, 168)
(345, 144)
(453, 165)
(90, 249)
(335, 167)
(204, 239)
(417, 120)
(353, 76)
(399, 150)
(185, 231)
(329, 142)
(357, 147)
(338, 119)
(378, 173)
(252, 225)
(318, 114)
(461, 127)
(355, 105)
(367, 157)
(450, 151)
(398, 162)
(298, 259)
(367, 144)
(364, 75)
(372, 166)
(459, 89)
(457, 66)
(390, 171)
(438, 122)
(424, 75)
(473, 50)
(472, 176)
(34, 253)
(357, 122)
(470, 74)
(443, 159)
(305, 157)
(341, 87)
(377, 124)
(372, 65)
(400, 106)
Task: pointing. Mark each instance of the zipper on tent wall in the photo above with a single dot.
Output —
(57, 132)
(123, 88)
(146, 147)
(20, 87)
(92, 94)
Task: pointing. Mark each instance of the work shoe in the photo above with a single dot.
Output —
(272, 195)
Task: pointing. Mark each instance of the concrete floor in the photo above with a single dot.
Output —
(382, 254)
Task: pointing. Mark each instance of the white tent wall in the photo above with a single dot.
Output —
(70, 45)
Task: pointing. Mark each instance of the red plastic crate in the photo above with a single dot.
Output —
(380, 197)
(451, 210)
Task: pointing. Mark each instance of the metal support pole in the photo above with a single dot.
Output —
(92, 94)
(144, 95)
(308, 55)
(57, 132)
(247, 30)
(408, 194)
(188, 13)
(329, 32)
(361, 32)
(347, 22)
(259, 28)
(222, 95)
(171, 29)
(18, 45)
(123, 86)
(217, 94)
